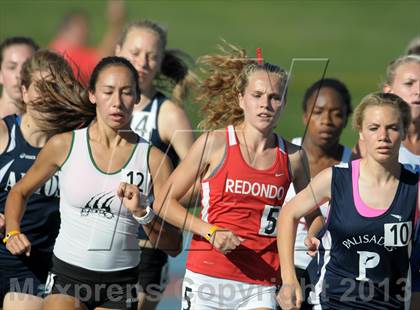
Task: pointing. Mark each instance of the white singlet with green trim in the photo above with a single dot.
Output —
(97, 232)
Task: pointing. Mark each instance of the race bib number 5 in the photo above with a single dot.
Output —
(268, 224)
(397, 234)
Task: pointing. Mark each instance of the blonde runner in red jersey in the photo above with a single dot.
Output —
(246, 201)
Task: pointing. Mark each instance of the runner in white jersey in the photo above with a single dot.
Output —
(105, 171)
(410, 160)
(159, 119)
(326, 108)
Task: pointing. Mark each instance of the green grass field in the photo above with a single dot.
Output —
(358, 37)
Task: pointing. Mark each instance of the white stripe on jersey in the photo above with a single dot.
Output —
(12, 136)
(314, 296)
(205, 201)
(232, 138)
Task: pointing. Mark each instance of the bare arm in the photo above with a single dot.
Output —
(167, 237)
(47, 163)
(175, 128)
(316, 193)
(299, 167)
(115, 16)
(168, 204)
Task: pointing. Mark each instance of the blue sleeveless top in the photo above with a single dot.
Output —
(41, 220)
(145, 123)
(363, 262)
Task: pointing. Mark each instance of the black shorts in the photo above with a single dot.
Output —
(305, 282)
(24, 274)
(415, 262)
(115, 289)
(153, 271)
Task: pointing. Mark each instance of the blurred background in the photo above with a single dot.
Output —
(356, 39)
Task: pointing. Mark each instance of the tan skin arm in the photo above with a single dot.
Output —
(47, 163)
(203, 156)
(299, 167)
(175, 128)
(309, 199)
(167, 237)
(116, 13)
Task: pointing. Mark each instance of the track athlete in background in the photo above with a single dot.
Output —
(160, 120)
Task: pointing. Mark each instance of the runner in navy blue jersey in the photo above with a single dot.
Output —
(364, 253)
(20, 142)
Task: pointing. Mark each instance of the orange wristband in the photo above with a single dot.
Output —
(10, 234)
(211, 232)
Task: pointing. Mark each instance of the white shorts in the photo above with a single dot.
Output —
(201, 292)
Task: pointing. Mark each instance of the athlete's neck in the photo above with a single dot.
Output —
(31, 131)
(379, 173)
(256, 141)
(333, 152)
(147, 95)
(321, 157)
(110, 137)
(7, 106)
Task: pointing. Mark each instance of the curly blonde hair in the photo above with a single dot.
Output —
(226, 76)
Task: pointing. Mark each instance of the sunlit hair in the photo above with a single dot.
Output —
(413, 47)
(62, 103)
(175, 76)
(393, 66)
(226, 75)
(382, 100)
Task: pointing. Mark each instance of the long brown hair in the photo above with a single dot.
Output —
(63, 103)
(226, 76)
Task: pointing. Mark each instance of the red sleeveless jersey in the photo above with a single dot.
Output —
(246, 201)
